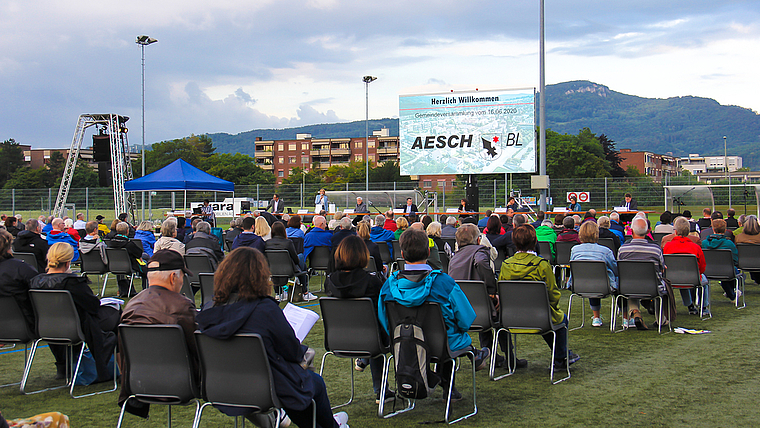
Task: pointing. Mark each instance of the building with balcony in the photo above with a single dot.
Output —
(697, 164)
(650, 164)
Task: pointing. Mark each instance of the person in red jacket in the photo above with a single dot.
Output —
(681, 244)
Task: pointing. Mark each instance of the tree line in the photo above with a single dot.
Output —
(584, 155)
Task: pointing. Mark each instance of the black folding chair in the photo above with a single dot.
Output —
(749, 257)
(92, 264)
(720, 267)
(228, 383)
(562, 262)
(683, 273)
(525, 309)
(477, 294)
(319, 260)
(385, 254)
(158, 367)
(119, 263)
(282, 268)
(638, 280)
(58, 324)
(546, 251)
(28, 258)
(398, 259)
(207, 287)
(198, 264)
(590, 280)
(351, 332)
(609, 243)
(13, 328)
(436, 338)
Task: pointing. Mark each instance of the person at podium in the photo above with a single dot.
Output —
(574, 205)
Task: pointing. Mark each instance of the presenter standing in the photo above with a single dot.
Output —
(321, 199)
(207, 211)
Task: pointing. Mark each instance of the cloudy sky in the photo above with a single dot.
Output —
(233, 66)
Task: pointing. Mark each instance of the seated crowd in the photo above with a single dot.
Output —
(493, 249)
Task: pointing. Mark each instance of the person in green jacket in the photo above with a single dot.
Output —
(525, 265)
(546, 233)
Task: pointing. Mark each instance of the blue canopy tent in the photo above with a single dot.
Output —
(179, 176)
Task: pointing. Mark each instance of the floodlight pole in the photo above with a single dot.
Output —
(728, 174)
(367, 80)
(542, 107)
(143, 41)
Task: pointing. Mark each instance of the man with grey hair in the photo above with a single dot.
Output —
(80, 223)
(380, 234)
(616, 227)
(161, 303)
(205, 243)
(639, 248)
(345, 228)
(317, 236)
(361, 207)
(605, 232)
(449, 230)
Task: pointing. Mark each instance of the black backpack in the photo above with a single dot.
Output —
(413, 380)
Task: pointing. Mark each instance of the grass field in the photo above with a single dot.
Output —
(633, 378)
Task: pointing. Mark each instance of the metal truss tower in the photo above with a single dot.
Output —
(121, 168)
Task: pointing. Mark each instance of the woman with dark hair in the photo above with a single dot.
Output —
(10, 226)
(243, 304)
(294, 227)
(426, 220)
(495, 234)
(15, 276)
(99, 322)
(350, 280)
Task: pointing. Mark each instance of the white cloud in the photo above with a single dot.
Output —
(230, 66)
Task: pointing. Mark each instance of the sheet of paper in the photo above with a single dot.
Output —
(112, 302)
(300, 319)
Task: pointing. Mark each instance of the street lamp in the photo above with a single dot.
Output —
(367, 80)
(728, 174)
(143, 41)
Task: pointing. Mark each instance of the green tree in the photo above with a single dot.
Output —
(351, 173)
(56, 164)
(575, 156)
(194, 150)
(11, 159)
(84, 176)
(296, 177)
(28, 178)
(387, 172)
(237, 168)
(633, 172)
(612, 156)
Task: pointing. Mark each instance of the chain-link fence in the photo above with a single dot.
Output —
(603, 193)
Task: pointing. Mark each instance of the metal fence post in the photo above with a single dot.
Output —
(494, 193)
(257, 196)
(13, 200)
(50, 195)
(87, 202)
(605, 193)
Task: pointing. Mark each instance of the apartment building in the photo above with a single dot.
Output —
(650, 164)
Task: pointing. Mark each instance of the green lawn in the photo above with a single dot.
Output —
(631, 378)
